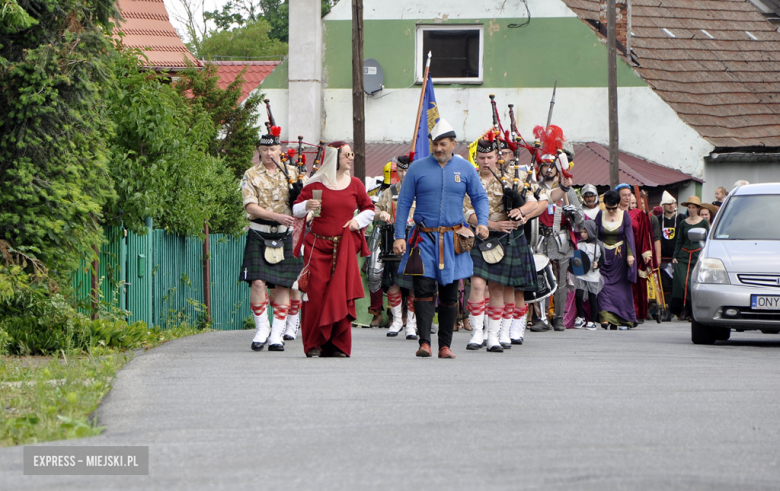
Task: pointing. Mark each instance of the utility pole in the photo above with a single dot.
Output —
(614, 175)
(358, 109)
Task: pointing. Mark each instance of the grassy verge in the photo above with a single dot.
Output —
(52, 398)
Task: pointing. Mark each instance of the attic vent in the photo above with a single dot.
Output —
(667, 31)
(751, 36)
(708, 34)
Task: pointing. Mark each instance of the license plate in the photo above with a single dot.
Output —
(765, 302)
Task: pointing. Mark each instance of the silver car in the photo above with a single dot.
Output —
(736, 281)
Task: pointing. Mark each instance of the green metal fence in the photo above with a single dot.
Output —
(158, 277)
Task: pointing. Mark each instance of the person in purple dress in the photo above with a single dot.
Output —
(618, 267)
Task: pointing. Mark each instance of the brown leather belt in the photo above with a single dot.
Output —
(335, 241)
(441, 231)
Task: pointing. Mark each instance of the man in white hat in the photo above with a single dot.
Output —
(670, 221)
(439, 183)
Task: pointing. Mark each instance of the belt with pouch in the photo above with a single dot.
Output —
(463, 239)
(268, 229)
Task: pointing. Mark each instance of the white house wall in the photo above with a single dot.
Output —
(649, 128)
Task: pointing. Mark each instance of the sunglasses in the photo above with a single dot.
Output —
(349, 154)
(611, 208)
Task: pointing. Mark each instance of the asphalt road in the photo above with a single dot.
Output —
(594, 410)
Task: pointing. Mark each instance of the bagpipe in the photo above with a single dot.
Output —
(513, 198)
(293, 157)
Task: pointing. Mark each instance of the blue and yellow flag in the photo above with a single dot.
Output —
(428, 119)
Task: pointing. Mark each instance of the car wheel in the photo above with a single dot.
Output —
(722, 334)
(700, 334)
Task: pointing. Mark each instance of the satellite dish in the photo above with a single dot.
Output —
(373, 76)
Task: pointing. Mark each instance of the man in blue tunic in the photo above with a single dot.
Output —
(439, 183)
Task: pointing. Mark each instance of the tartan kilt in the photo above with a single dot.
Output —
(255, 267)
(516, 269)
(391, 277)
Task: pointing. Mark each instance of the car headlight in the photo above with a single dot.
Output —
(711, 271)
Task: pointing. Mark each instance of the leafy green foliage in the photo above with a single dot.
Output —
(53, 160)
(238, 133)
(13, 17)
(248, 41)
(243, 13)
(160, 159)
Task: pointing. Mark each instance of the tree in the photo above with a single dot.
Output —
(233, 15)
(55, 70)
(160, 159)
(250, 41)
(237, 131)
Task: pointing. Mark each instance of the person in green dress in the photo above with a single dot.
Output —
(686, 253)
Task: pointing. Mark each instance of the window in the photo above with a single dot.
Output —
(745, 218)
(457, 53)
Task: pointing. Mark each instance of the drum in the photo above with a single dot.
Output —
(545, 278)
(386, 239)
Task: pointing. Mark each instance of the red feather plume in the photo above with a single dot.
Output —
(508, 140)
(276, 131)
(303, 158)
(291, 153)
(551, 138)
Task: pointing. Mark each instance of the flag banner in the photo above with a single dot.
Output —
(428, 119)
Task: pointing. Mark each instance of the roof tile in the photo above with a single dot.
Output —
(725, 88)
(146, 26)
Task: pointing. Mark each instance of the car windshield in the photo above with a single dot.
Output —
(750, 217)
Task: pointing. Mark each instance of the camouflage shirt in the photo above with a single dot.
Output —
(388, 201)
(267, 190)
(495, 193)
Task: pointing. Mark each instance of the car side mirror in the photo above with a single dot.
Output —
(697, 234)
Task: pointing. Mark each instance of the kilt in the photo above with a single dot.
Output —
(255, 267)
(391, 277)
(516, 269)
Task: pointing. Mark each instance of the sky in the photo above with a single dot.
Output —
(175, 10)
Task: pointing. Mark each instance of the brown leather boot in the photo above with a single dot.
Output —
(466, 324)
(446, 352)
(424, 351)
(377, 318)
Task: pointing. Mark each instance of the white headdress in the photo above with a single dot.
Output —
(327, 172)
(667, 199)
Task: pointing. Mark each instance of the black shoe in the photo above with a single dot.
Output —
(667, 316)
(257, 346)
(313, 353)
(392, 334)
(506, 345)
(287, 337)
(275, 347)
(412, 336)
(517, 341)
(540, 327)
(496, 349)
(558, 324)
(473, 346)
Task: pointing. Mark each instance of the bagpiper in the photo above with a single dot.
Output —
(394, 284)
(503, 262)
(268, 254)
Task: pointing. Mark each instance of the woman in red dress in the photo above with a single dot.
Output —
(643, 241)
(330, 252)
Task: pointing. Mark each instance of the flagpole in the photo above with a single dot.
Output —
(420, 107)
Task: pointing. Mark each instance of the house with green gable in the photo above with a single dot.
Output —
(697, 81)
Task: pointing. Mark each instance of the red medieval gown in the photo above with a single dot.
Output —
(326, 318)
(643, 238)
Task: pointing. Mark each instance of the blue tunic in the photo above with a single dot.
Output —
(440, 193)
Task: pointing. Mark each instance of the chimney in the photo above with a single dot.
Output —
(623, 17)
